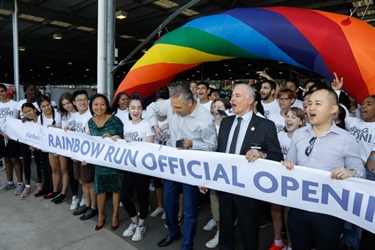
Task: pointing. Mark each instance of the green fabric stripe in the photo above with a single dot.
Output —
(205, 42)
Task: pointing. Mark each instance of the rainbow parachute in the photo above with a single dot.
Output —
(315, 40)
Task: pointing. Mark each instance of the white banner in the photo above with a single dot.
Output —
(352, 199)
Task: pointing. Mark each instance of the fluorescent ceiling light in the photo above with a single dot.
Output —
(361, 3)
(369, 12)
(5, 12)
(61, 24)
(84, 28)
(127, 36)
(121, 14)
(165, 4)
(189, 12)
(31, 18)
(57, 36)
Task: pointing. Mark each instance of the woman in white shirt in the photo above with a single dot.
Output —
(50, 160)
(137, 129)
(294, 119)
(30, 114)
(68, 111)
(120, 107)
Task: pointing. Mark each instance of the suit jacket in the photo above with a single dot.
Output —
(260, 132)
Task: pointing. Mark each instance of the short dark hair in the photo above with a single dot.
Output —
(162, 93)
(270, 82)
(205, 84)
(295, 81)
(2, 86)
(80, 92)
(212, 90)
(331, 94)
(27, 85)
(319, 85)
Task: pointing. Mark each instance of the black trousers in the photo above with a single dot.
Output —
(130, 183)
(74, 184)
(248, 212)
(314, 230)
(47, 172)
(26, 155)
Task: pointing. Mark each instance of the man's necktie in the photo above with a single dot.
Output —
(232, 149)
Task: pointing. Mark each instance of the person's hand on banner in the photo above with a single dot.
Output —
(341, 173)
(202, 189)
(288, 164)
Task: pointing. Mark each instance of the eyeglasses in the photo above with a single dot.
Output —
(283, 99)
(81, 100)
(309, 149)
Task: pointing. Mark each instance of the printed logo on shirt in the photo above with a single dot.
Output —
(4, 112)
(361, 134)
(71, 124)
(136, 136)
(266, 113)
(80, 127)
(284, 150)
(279, 128)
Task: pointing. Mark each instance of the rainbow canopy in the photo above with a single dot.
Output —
(319, 41)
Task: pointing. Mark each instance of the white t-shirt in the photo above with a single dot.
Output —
(49, 121)
(207, 105)
(123, 115)
(81, 122)
(279, 121)
(138, 132)
(271, 108)
(364, 132)
(297, 104)
(7, 109)
(68, 120)
(284, 142)
(19, 107)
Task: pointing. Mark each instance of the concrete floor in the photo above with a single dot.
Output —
(35, 223)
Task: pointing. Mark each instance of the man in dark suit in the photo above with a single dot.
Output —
(256, 138)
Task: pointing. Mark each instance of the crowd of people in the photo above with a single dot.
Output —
(319, 127)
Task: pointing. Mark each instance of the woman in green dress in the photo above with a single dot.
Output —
(106, 179)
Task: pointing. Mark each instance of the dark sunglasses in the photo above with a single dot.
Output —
(309, 149)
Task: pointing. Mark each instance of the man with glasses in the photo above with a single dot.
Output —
(322, 146)
(82, 171)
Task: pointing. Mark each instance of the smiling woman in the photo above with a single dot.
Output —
(106, 179)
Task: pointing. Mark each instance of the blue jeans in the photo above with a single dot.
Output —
(171, 197)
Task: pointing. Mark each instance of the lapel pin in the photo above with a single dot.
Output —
(252, 129)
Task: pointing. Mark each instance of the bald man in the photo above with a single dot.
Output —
(256, 138)
(323, 146)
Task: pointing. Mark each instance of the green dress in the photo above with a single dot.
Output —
(107, 179)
